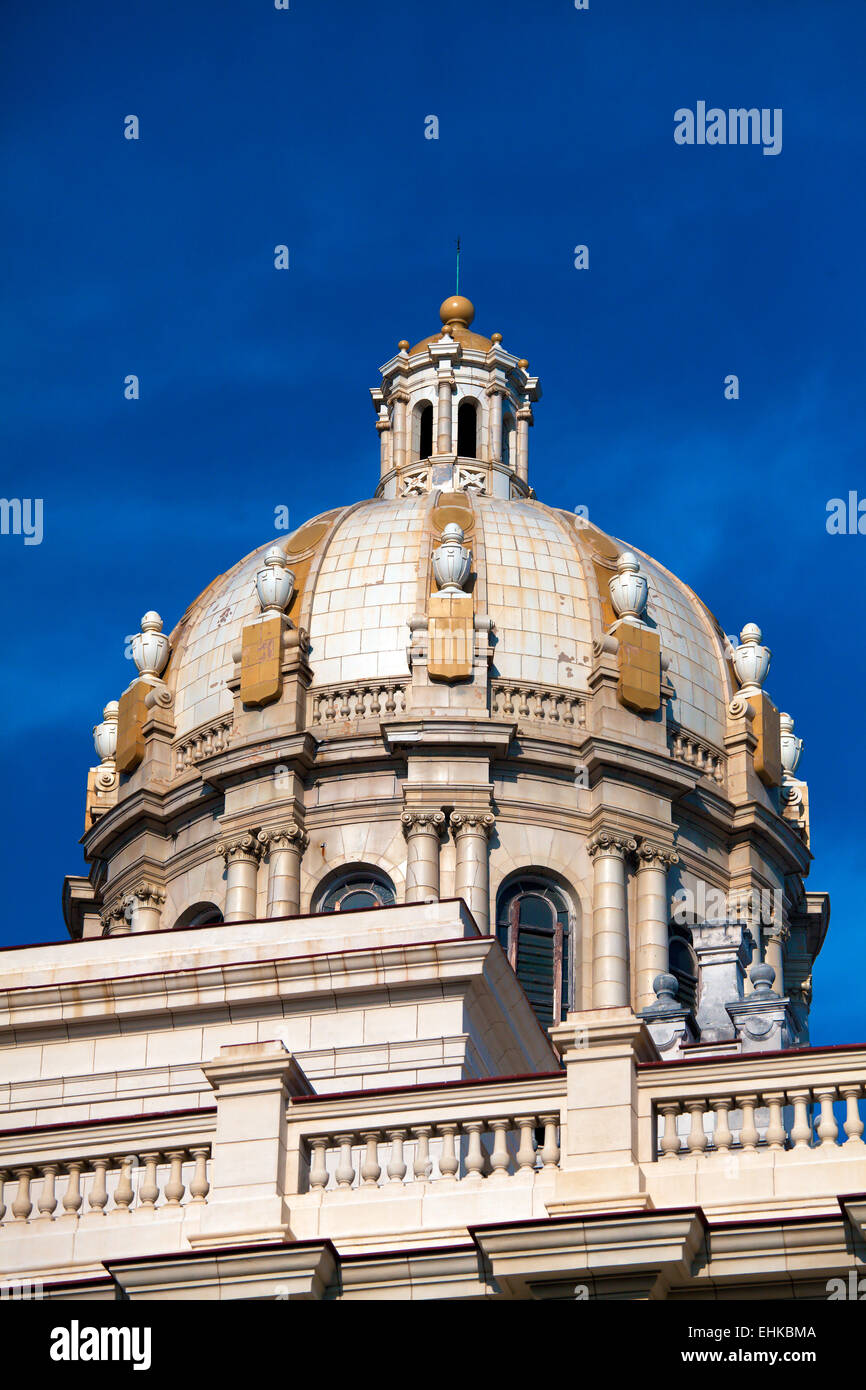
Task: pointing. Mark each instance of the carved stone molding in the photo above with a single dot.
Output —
(655, 856)
(422, 822)
(472, 822)
(288, 836)
(243, 845)
(611, 842)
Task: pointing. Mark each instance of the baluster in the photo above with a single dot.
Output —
(199, 1186)
(72, 1198)
(500, 1158)
(318, 1165)
(748, 1129)
(697, 1140)
(370, 1167)
(523, 702)
(526, 1151)
(390, 702)
(99, 1191)
(507, 700)
(828, 1130)
(345, 1173)
(550, 1149)
(475, 1152)
(670, 1143)
(123, 1193)
(568, 716)
(48, 1196)
(853, 1125)
(776, 1135)
(149, 1190)
(396, 1169)
(22, 1205)
(722, 1136)
(175, 1187)
(3, 1176)
(448, 1160)
(801, 1130)
(329, 706)
(422, 1166)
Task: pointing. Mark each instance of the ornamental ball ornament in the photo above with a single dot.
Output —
(457, 309)
(762, 977)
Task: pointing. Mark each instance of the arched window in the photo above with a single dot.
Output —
(200, 915)
(467, 429)
(422, 430)
(508, 440)
(360, 888)
(683, 964)
(532, 926)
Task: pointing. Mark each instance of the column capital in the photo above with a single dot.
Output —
(422, 822)
(243, 844)
(115, 913)
(614, 843)
(656, 856)
(288, 836)
(472, 822)
(146, 894)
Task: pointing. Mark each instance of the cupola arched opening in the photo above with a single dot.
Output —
(467, 429)
(508, 439)
(361, 886)
(422, 430)
(200, 915)
(533, 927)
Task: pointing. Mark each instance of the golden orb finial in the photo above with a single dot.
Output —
(496, 337)
(458, 309)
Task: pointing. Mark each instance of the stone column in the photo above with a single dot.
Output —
(383, 426)
(285, 848)
(443, 412)
(422, 830)
(472, 879)
(610, 984)
(242, 854)
(524, 420)
(145, 907)
(494, 395)
(653, 913)
(399, 439)
(774, 955)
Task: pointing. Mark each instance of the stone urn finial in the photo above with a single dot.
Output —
(762, 977)
(628, 588)
(150, 647)
(105, 734)
(792, 746)
(275, 582)
(452, 560)
(751, 660)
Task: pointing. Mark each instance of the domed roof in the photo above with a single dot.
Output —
(361, 573)
(456, 314)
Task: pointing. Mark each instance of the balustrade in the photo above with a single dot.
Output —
(58, 1191)
(471, 1151)
(791, 1119)
(373, 700)
(539, 704)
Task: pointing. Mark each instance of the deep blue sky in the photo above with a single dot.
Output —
(306, 127)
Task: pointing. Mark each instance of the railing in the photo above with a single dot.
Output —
(201, 743)
(368, 700)
(538, 704)
(785, 1102)
(467, 1151)
(695, 752)
(159, 1179)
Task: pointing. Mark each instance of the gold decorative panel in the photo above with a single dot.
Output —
(768, 754)
(451, 631)
(132, 713)
(639, 661)
(261, 662)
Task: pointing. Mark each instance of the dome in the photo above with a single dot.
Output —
(453, 689)
(361, 578)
